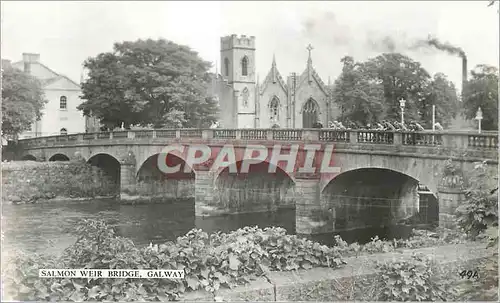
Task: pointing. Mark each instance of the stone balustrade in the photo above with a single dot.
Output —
(488, 141)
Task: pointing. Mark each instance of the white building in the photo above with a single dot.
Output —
(60, 115)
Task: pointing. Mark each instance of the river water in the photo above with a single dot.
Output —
(45, 227)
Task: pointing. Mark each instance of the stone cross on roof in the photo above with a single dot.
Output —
(309, 63)
(309, 48)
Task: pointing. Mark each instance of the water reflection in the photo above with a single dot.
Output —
(45, 227)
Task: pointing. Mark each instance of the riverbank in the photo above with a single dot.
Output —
(34, 182)
(252, 264)
(354, 281)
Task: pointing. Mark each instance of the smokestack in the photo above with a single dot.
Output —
(464, 74)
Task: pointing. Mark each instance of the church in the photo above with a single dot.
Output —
(300, 101)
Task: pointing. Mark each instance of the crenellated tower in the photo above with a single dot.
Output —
(238, 68)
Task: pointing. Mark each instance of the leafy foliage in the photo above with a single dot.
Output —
(442, 93)
(418, 239)
(480, 209)
(482, 91)
(22, 101)
(149, 83)
(210, 262)
(402, 78)
(410, 280)
(360, 99)
(370, 91)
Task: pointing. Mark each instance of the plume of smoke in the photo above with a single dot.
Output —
(443, 46)
(381, 44)
(326, 29)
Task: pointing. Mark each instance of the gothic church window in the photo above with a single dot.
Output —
(274, 110)
(245, 95)
(226, 66)
(244, 66)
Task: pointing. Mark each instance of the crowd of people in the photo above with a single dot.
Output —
(382, 125)
(385, 125)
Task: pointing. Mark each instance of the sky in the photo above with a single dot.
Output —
(66, 33)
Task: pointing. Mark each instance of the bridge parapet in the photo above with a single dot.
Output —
(456, 140)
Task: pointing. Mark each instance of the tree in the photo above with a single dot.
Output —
(482, 91)
(359, 98)
(22, 101)
(148, 82)
(442, 93)
(401, 78)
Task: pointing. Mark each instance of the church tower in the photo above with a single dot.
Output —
(238, 69)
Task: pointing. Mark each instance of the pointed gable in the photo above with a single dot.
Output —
(273, 76)
(61, 83)
(310, 73)
(37, 70)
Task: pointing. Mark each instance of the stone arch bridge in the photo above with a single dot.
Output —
(373, 165)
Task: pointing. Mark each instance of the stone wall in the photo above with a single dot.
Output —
(170, 188)
(253, 193)
(29, 181)
(355, 281)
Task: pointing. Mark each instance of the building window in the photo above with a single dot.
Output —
(63, 102)
(244, 66)
(245, 95)
(64, 131)
(226, 66)
(274, 110)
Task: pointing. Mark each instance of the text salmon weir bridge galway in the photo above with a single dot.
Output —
(227, 171)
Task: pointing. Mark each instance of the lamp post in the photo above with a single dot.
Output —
(402, 106)
(479, 117)
(433, 117)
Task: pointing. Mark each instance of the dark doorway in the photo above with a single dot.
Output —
(310, 114)
(59, 157)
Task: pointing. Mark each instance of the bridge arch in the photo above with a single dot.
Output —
(256, 190)
(109, 165)
(153, 182)
(28, 158)
(418, 168)
(59, 157)
(375, 197)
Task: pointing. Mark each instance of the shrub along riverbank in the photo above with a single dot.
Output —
(30, 182)
(210, 262)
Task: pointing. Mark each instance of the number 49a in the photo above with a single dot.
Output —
(469, 274)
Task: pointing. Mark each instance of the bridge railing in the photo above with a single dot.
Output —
(460, 140)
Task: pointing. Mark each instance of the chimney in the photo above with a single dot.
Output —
(464, 74)
(5, 63)
(28, 59)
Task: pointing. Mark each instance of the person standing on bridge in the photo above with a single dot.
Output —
(317, 125)
(419, 127)
(438, 126)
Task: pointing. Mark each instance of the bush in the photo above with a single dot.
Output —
(416, 279)
(418, 239)
(480, 209)
(209, 262)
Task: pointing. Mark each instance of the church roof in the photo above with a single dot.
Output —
(310, 74)
(56, 76)
(272, 77)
